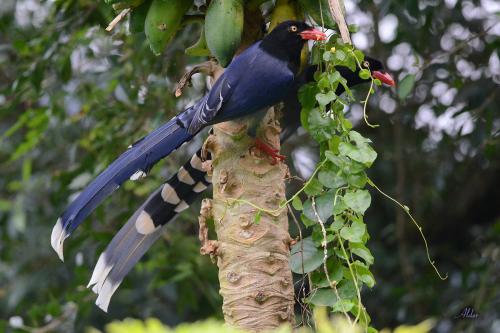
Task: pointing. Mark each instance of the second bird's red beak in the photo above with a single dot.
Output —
(384, 77)
(313, 34)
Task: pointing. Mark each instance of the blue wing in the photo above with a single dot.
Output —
(238, 93)
(206, 109)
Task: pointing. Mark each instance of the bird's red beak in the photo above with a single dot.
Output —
(313, 34)
(384, 77)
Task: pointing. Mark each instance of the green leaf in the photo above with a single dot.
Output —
(319, 13)
(335, 77)
(339, 253)
(333, 144)
(358, 138)
(362, 251)
(358, 201)
(324, 207)
(364, 274)
(357, 180)
(339, 206)
(323, 297)
(334, 159)
(364, 74)
(307, 221)
(305, 255)
(343, 305)
(335, 272)
(306, 96)
(313, 188)
(334, 267)
(338, 223)
(354, 232)
(327, 56)
(297, 203)
(321, 127)
(337, 107)
(331, 178)
(348, 166)
(340, 55)
(363, 154)
(347, 124)
(406, 86)
(347, 289)
(324, 99)
(318, 238)
(359, 55)
(323, 82)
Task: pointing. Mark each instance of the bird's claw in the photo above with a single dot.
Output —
(269, 151)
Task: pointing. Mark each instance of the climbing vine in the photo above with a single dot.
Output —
(335, 255)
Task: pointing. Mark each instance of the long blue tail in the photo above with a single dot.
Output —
(146, 226)
(132, 164)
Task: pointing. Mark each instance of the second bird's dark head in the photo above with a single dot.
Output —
(287, 39)
(378, 70)
(375, 66)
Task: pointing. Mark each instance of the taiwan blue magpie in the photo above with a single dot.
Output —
(136, 237)
(256, 79)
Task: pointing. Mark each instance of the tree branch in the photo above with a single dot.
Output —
(336, 9)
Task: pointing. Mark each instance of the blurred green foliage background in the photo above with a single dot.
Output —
(72, 97)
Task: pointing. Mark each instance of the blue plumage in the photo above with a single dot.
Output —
(253, 81)
(258, 78)
(134, 162)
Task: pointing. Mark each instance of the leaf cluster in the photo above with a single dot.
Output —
(336, 255)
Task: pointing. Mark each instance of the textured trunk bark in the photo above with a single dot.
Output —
(253, 256)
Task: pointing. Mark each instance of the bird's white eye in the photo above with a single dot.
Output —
(293, 28)
(366, 64)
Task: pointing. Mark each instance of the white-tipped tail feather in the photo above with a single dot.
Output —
(144, 223)
(138, 175)
(121, 255)
(57, 238)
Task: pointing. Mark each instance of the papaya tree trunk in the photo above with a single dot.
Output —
(253, 248)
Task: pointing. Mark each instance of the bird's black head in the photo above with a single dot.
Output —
(287, 39)
(378, 70)
(373, 64)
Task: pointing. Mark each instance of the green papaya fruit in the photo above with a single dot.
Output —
(162, 22)
(283, 10)
(223, 28)
(138, 17)
(199, 49)
(314, 10)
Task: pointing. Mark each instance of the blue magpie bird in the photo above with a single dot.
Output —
(136, 237)
(258, 78)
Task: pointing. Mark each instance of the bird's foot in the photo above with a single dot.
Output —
(269, 151)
